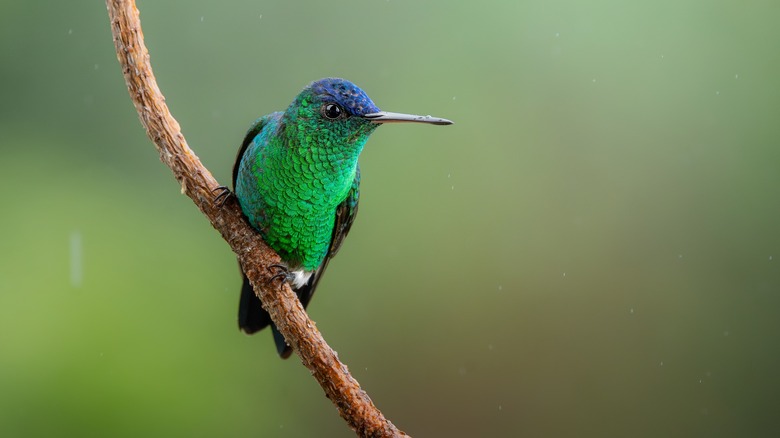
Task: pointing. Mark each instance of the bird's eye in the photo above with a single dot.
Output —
(332, 111)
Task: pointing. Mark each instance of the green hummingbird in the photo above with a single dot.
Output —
(296, 178)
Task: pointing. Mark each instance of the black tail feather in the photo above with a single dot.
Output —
(281, 345)
(251, 315)
(252, 318)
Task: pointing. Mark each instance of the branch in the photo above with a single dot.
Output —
(353, 404)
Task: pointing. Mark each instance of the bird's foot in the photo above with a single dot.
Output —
(222, 196)
(282, 274)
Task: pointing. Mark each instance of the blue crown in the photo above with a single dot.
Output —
(345, 93)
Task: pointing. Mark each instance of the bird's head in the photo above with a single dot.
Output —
(337, 113)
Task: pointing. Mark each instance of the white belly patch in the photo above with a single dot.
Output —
(300, 278)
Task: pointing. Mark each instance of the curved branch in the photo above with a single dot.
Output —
(353, 404)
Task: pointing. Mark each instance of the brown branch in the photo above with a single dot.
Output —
(353, 404)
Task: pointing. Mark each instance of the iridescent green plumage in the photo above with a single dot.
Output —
(297, 180)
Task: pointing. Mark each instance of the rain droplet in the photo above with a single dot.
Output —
(594, 80)
(70, 31)
(76, 268)
(557, 34)
(500, 407)
(662, 363)
(717, 93)
(453, 97)
(631, 310)
(736, 76)
(500, 287)
(564, 274)
(770, 258)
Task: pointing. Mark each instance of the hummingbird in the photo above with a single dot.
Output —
(297, 180)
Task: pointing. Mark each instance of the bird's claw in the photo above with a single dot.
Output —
(282, 274)
(222, 196)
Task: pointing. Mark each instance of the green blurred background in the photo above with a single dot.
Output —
(592, 250)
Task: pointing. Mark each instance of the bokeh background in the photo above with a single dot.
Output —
(592, 250)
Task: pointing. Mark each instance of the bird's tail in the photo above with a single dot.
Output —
(252, 318)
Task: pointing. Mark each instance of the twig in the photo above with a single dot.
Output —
(353, 404)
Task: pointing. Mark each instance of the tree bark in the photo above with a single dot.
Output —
(353, 404)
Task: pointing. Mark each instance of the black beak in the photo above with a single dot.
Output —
(388, 117)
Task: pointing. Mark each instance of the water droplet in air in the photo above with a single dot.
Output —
(70, 31)
(557, 34)
(201, 19)
(736, 76)
(631, 310)
(76, 269)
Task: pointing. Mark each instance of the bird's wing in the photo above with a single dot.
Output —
(345, 216)
(251, 316)
(253, 132)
